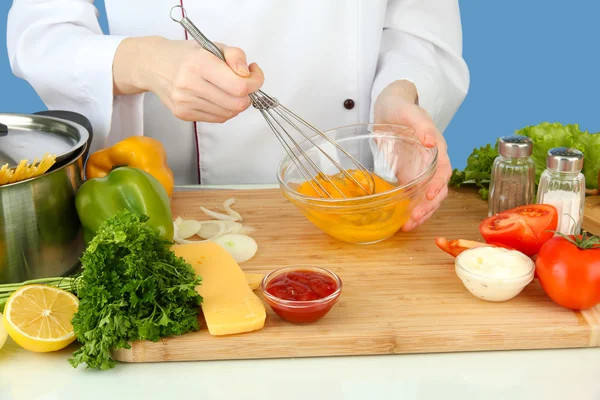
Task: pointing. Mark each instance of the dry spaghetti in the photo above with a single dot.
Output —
(26, 170)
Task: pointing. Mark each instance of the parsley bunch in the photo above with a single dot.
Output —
(133, 287)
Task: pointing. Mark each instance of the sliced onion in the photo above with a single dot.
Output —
(223, 230)
(207, 230)
(232, 226)
(179, 240)
(217, 215)
(241, 247)
(210, 229)
(188, 228)
(227, 207)
(246, 230)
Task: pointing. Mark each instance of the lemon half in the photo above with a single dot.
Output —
(3, 334)
(38, 317)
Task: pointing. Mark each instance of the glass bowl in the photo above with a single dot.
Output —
(489, 288)
(391, 152)
(301, 311)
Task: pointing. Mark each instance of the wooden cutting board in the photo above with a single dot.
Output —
(399, 296)
(591, 215)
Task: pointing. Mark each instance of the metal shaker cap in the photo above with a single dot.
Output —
(564, 159)
(515, 146)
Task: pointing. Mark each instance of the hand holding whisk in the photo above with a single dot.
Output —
(282, 121)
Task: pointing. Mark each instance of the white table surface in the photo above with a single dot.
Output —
(538, 374)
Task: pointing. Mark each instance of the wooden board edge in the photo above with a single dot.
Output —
(397, 343)
(132, 355)
(592, 317)
(191, 358)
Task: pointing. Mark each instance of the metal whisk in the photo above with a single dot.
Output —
(276, 114)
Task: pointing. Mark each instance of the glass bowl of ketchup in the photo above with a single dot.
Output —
(399, 169)
(301, 294)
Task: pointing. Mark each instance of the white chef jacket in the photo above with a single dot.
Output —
(315, 54)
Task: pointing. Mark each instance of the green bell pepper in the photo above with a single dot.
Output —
(123, 188)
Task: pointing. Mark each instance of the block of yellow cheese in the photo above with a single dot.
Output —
(229, 305)
(253, 279)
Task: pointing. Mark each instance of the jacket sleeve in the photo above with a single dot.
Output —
(58, 47)
(422, 43)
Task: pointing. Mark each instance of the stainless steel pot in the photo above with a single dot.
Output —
(27, 137)
(40, 232)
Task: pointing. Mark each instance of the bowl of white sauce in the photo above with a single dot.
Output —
(494, 273)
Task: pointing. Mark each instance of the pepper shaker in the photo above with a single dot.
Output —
(512, 181)
(562, 185)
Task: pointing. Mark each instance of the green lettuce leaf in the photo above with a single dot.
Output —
(548, 135)
(545, 136)
(590, 146)
(478, 170)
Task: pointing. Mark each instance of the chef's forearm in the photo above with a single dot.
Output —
(402, 89)
(134, 64)
(407, 90)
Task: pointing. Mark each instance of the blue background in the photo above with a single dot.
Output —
(530, 61)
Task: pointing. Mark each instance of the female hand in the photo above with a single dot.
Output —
(397, 105)
(192, 82)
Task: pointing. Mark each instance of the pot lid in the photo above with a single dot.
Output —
(27, 137)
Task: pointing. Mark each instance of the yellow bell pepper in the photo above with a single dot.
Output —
(140, 152)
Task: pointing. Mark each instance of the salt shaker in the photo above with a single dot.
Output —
(512, 182)
(562, 185)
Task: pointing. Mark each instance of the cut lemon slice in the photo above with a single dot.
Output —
(38, 317)
(3, 334)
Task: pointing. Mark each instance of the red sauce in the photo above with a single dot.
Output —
(302, 285)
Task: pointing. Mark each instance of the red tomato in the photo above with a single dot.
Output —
(569, 275)
(456, 246)
(524, 228)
